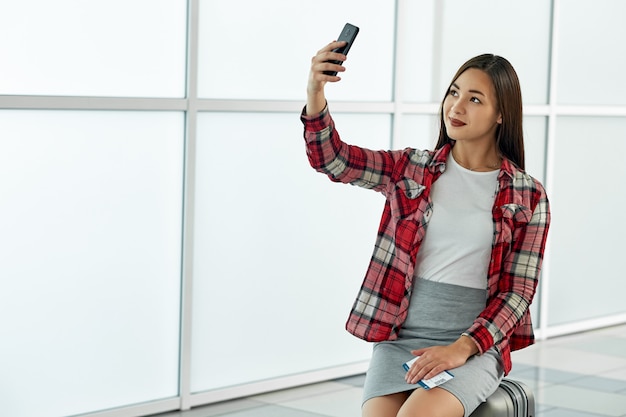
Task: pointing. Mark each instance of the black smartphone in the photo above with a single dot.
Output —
(348, 34)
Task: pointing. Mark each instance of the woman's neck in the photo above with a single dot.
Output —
(477, 158)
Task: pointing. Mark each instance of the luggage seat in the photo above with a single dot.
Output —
(511, 399)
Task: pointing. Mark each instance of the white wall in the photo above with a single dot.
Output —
(165, 243)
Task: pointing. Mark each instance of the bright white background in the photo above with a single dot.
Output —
(243, 56)
(89, 259)
(281, 251)
(117, 48)
(160, 227)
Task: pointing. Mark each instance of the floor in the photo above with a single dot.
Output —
(571, 376)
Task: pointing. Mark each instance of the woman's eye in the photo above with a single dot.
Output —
(475, 100)
(453, 93)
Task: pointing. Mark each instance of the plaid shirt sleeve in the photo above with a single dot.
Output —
(382, 301)
(340, 161)
(522, 218)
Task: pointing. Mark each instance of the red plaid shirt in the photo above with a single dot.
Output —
(521, 217)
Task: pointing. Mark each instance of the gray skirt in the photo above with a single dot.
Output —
(438, 314)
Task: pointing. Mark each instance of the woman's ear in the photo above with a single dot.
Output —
(499, 119)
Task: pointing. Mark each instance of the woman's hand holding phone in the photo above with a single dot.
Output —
(325, 65)
(321, 63)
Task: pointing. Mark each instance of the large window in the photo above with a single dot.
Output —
(90, 259)
(588, 66)
(280, 251)
(113, 48)
(244, 57)
(161, 226)
(584, 243)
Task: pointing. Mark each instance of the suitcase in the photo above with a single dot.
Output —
(511, 399)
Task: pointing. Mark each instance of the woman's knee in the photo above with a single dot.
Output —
(436, 402)
(384, 406)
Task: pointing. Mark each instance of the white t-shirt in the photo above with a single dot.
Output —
(457, 246)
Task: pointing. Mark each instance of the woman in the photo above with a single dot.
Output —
(459, 247)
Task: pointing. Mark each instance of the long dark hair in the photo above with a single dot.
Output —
(509, 134)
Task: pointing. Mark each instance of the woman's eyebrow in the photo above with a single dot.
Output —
(455, 85)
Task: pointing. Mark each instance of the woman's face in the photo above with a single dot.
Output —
(470, 110)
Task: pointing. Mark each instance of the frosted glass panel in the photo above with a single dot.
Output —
(417, 131)
(535, 131)
(591, 54)
(280, 250)
(587, 249)
(263, 49)
(441, 35)
(93, 48)
(90, 219)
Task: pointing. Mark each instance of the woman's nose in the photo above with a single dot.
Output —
(457, 108)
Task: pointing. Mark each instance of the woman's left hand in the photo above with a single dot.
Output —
(436, 359)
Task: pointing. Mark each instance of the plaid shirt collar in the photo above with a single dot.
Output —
(440, 157)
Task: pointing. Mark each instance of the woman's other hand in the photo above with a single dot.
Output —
(436, 359)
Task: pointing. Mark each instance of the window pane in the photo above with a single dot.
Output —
(113, 48)
(442, 35)
(243, 56)
(591, 53)
(89, 259)
(279, 249)
(586, 228)
(535, 130)
(417, 131)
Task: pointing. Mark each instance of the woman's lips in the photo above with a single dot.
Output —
(456, 122)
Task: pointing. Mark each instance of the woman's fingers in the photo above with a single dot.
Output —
(433, 361)
(322, 63)
(328, 54)
(331, 46)
(425, 370)
(420, 368)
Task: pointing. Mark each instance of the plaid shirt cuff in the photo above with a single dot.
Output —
(315, 122)
(481, 336)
